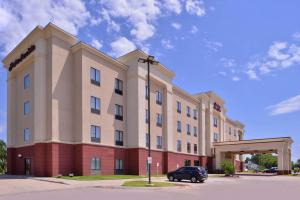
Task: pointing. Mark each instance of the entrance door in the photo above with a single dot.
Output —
(27, 164)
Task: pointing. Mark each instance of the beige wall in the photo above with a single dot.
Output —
(185, 101)
(281, 146)
(60, 94)
(17, 122)
(106, 93)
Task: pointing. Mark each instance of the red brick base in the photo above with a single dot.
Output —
(239, 166)
(51, 159)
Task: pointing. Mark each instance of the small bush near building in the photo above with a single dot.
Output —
(3, 157)
(227, 167)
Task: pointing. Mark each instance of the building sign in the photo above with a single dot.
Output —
(149, 160)
(217, 107)
(21, 58)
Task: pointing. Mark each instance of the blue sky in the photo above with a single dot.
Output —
(248, 52)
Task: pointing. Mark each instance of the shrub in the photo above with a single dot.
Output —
(227, 167)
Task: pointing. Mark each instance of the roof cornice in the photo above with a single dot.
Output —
(82, 45)
(186, 94)
(141, 54)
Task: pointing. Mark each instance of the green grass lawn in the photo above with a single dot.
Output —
(102, 177)
(216, 175)
(296, 175)
(145, 184)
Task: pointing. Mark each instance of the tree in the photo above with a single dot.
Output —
(228, 167)
(264, 160)
(296, 164)
(3, 157)
(247, 160)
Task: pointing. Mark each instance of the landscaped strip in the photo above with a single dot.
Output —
(102, 177)
(145, 184)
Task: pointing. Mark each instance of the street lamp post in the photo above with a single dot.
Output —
(149, 60)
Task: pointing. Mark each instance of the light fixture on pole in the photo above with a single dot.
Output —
(149, 60)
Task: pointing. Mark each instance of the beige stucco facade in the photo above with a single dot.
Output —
(280, 146)
(60, 94)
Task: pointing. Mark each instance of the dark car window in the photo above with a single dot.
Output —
(180, 169)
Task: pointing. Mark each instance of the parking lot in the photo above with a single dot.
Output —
(245, 187)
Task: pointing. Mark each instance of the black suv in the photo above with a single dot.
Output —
(194, 174)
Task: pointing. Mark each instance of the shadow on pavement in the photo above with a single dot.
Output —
(5, 176)
(258, 174)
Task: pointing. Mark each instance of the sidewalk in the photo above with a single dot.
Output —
(22, 184)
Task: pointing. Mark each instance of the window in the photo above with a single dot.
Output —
(95, 133)
(187, 163)
(118, 86)
(195, 150)
(195, 114)
(26, 135)
(196, 163)
(95, 165)
(119, 112)
(234, 131)
(26, 81)
(188, 129)
(147, 116)
(215, 122)
(188, 111)
(229, 130)
(119, 138)
(119, 166)
(147, 139)
(195, 131)
(179, 126)
(179, 145)
(188, 147)
(95, 105)
(26, 107)
(159, 142)
(95, 76)
(216, 137)
(178, 107)
(146, 92)
(158, 120)
(158, 97)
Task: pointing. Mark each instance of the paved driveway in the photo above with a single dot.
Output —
(275, 188)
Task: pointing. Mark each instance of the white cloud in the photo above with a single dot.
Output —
(111, 24)
(281, 55)
(213, 45)
(95, 21)
(96, 43)
(236, 78)
(166, 44)
(121, 46)
(296, 36)
(18, 18)
(195, 7)
(172, 5)
(142, 16)
(194, 29)
(287, 106)
(252, 74)
(228, 62)
(143, 31)
(176, 25)
(275, 51)
(139, 14)
(223, 73)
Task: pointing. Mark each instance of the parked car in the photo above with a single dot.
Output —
(272, 170)
(194, 174)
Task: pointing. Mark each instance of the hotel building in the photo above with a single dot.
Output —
(74, 109)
